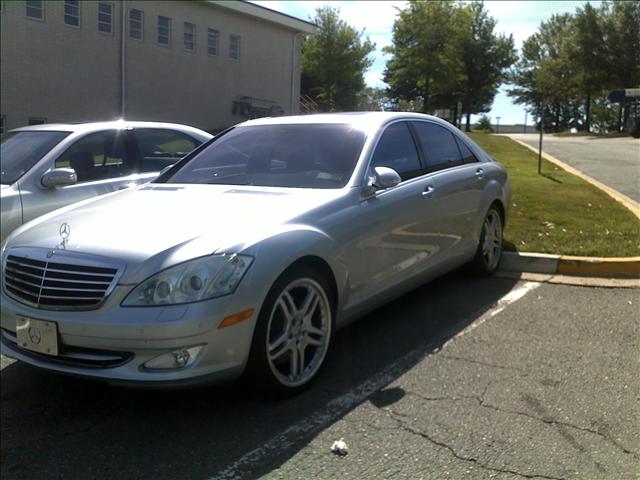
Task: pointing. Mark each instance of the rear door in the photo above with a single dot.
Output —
(103, 162)
(460, 179)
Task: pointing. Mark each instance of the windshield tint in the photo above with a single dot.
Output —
(305, 156)
(20, 151)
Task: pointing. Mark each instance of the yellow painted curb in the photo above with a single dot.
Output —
(570, 265)
(630, 204)
(606, 267)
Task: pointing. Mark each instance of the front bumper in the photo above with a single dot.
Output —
(113, 343)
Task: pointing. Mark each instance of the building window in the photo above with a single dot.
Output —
(136, 24)
(37, 120)
(72, 13)
(164, 30)
(35, 9)
(234, 47)
(212, 41)
(105, 17)
(189, 36)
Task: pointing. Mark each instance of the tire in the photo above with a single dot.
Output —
(293, 332)
(489, 251)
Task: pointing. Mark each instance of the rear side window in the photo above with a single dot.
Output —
(396, 149)
(97, 156)
(467, 154)
(160, 148)
(438, 145)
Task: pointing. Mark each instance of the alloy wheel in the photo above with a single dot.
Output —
(492, 240)
(298, 332)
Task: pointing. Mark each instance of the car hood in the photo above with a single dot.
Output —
(161, 224)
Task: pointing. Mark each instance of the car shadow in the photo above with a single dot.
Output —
(75, 429)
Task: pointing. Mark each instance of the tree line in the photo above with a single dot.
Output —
(446, 55)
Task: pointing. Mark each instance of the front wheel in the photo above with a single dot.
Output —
(293, 333)
(489, 250)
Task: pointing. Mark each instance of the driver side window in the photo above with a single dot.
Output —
(97, 156)
(396, 149)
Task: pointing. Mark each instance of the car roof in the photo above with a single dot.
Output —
(117, 124)
(370, 119)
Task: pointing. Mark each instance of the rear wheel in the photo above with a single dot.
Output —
(489, 250)
(293, 333)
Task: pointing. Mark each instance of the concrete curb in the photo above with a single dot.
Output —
(568, 265)
(629, 203)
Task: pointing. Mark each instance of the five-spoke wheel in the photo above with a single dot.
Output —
(294, 330)
(490, 248)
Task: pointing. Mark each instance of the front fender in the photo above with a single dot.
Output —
(273, 255)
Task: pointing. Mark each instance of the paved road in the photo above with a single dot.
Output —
(462, 378)
(613, 161)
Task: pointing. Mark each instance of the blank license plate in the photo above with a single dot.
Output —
(37, 335)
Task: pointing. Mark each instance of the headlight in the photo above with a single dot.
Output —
(192, 281)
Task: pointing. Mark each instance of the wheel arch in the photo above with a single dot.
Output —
(323, 268)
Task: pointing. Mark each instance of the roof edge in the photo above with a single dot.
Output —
(264, 13)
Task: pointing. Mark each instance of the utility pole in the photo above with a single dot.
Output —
(498, 124)
(540, 143)
(525, 121)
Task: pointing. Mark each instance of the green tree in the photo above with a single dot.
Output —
(588, 51)
(334, 62)
(485, 58)
(545, 78)
(422, 64)
(374, 99)
(622, 37)
(484, 124)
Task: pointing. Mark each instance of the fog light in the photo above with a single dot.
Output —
(181, 358)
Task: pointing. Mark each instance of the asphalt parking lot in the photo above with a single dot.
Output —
(462, 378)
(613, 161)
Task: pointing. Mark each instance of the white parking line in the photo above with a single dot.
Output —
(337, 407)
(513, 296)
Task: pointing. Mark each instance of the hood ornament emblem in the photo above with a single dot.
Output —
(65, 232)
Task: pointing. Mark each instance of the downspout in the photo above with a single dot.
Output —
(293, 73)
(123, 77)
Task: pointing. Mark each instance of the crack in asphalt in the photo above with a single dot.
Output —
(457, 455)
(551, 421)
(544, 418)
(478, 362)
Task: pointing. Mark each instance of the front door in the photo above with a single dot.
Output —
(402, 236)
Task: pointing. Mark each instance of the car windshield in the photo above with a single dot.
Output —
(300, 155)
(19, 151)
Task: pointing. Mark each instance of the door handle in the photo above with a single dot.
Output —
(479, 173)
(428, 192)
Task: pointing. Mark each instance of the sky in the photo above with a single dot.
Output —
(519, 18)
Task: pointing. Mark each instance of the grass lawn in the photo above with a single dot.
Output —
(557, 212)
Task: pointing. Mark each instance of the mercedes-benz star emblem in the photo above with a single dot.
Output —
(65, 231)
(34, 335)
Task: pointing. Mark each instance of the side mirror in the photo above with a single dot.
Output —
(385, 177)
(59, 177)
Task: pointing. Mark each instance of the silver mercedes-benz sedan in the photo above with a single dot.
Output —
(44, 167)
(246, 256)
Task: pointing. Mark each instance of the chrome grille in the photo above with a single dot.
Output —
(55, 284)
